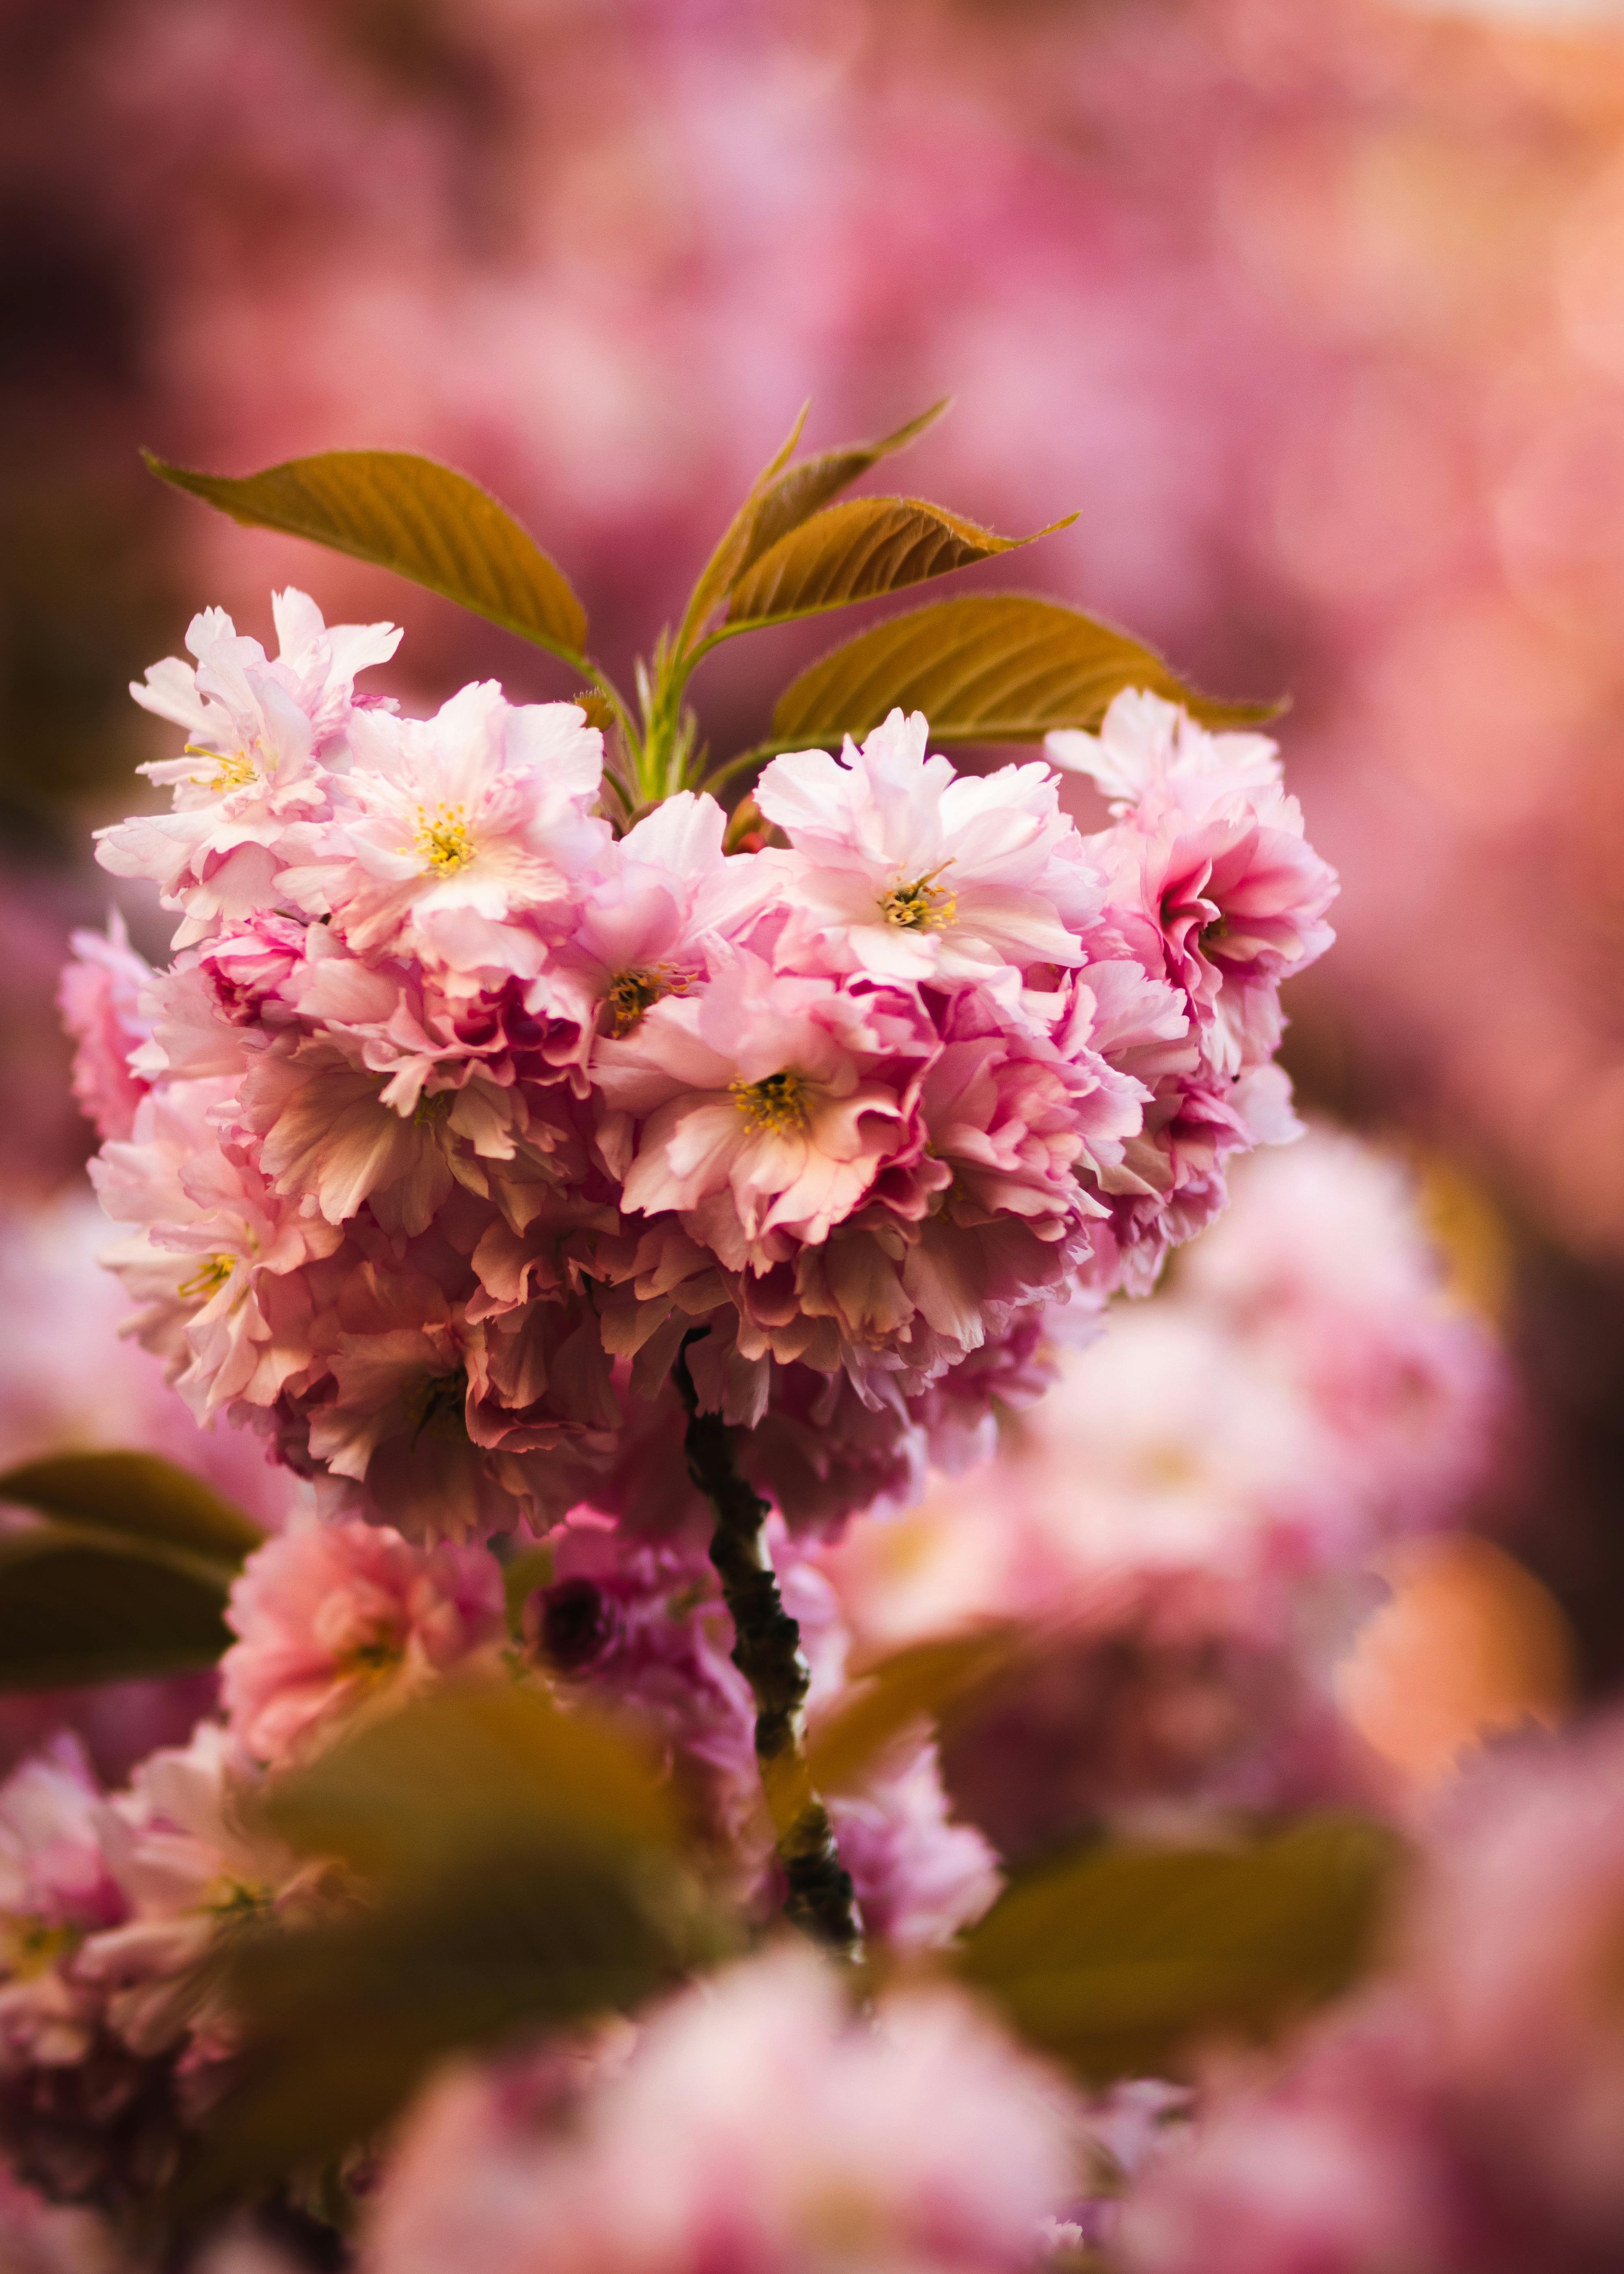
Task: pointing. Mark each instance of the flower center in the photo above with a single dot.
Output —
(777, 1103)
(1214, 934)
(380, 1654)
(631, 993)
(30, 1946)
(922, 906)
(211, 1274)
(432, 1107)
(235, 1903)
(442, 837)
(233, 769)
(436, 1406)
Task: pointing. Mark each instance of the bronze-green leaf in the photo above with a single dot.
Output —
(517, 1867)
(1123, 1960)
(794, 495)
(992, 667)
(916, 1684)
(782, 496)
(412, 514)
(80, 1608)
(395, 1795)
(858, 550)
(138, 1494)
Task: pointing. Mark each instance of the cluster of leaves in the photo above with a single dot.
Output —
(990, 667)
(126, 1574)
(499, 1866)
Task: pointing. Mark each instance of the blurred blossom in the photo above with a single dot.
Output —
(756, 2123)
(1192, 1521)
(1461, 2116)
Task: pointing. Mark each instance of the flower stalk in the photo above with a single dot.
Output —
(820, 1898)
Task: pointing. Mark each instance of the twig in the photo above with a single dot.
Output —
(767, 1652)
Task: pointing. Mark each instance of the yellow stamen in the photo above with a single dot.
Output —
(922, 906)
(631, 993)
(382, 1655)
(212, 1273)
(30, 1946)
(235, 769)
(235, 1903)
(776, 1104)
(433, 1106)
(442, 837)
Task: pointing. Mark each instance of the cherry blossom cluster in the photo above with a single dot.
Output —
(1184, 1532)
(457, 1115)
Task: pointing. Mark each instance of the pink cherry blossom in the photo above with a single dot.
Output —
(910, 871)
(258, 731)
(100, 997)
(458, 827)
(656, 896)
(343, 1619)
(55, 1888)
(769, 1105)
(190, 1860)
(756, 2124)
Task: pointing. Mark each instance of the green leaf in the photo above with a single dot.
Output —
(1123, 1960)
(795, 495)
(392, 1799)
(920, 1683)
(77, 1607)
(859, 550)
(733, 551)
(992, 667)
(779, 500)
(518, 1867)
(414, 516)
(138, 1494)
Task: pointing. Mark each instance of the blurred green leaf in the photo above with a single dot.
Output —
(138, 1494)
(469, 1763)
(518, 1867)
(521, 1575)
(78, 1606)
(992, 667)
(1123, 1960)
(782, 496)
(412, 514)
(857, 551)
(916, 1684)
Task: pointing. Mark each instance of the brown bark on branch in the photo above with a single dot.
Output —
(767, 1652)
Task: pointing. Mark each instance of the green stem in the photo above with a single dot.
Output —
(767, 1652)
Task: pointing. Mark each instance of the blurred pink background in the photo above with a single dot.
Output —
(1315, 313)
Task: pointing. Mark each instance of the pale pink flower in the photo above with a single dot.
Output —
(55, 1888)
(911, 872)
(457, 828)
(758, 2124)
(920, 1877)
(339, 1619)
(258, 731)
(1208, 877)
(212, 1243)
(100, 1002)
(1513, 1940)
(190, 1860)
(769, 1104)
(1343, 2166)
(655, 897)
(1150, 755)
